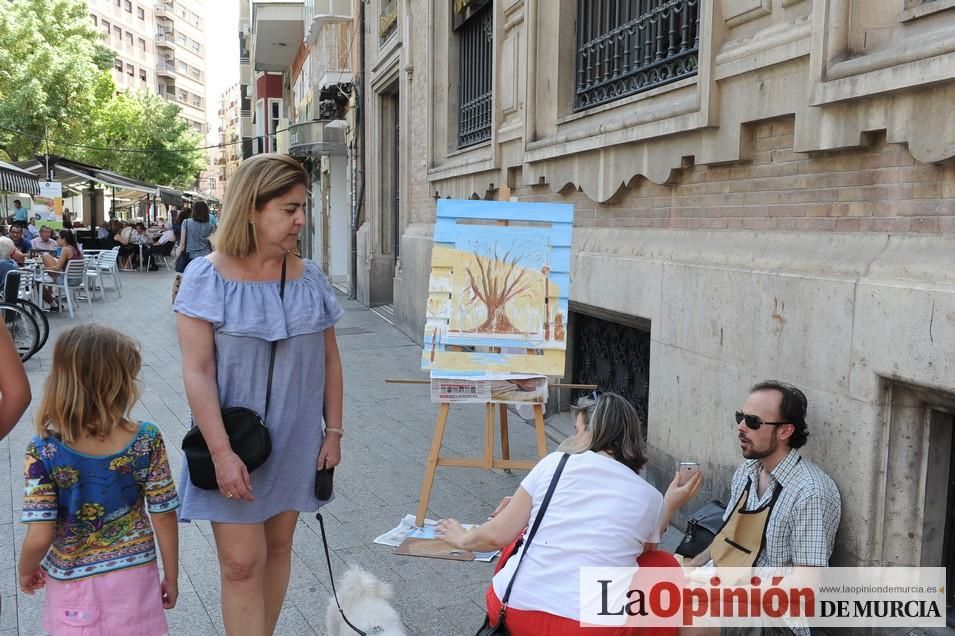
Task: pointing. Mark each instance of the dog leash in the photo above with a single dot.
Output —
(331, 577)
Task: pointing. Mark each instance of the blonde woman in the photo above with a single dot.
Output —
(230, 311)
(98, 485)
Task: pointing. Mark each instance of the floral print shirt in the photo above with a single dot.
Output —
(98, 502)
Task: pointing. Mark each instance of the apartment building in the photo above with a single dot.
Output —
(159, 47)
(230, 134)
(180, 58)
(246, 76)
(128, 27)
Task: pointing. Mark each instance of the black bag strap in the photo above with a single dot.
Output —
(533, 531)
(268, 390)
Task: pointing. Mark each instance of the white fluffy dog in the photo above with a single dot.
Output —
(364, 598)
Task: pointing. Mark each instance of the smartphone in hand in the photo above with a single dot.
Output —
(686, 472)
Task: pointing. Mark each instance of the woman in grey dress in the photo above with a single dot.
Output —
(195, 232)
(229, 313)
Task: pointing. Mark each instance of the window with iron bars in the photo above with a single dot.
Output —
(629, 46)
(475, 49)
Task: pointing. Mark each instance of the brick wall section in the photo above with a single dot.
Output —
(876, 188)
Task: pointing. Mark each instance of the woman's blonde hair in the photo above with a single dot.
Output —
(258, 180)
(92, 386)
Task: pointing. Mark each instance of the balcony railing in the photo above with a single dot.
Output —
(629, 46)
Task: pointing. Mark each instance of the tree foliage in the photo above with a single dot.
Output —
(50, 59)
(144, 120)
(56, 80)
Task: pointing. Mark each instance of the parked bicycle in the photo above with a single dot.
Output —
(26, 322)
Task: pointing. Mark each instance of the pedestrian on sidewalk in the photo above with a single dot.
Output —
(92, 475)
(602, 514)
(195, 232)
(231, 308)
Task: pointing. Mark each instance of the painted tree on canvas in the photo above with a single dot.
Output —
(494, 281)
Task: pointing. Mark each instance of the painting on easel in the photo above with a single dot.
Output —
(497, 296)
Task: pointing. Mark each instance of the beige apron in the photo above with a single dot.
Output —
(743, 537)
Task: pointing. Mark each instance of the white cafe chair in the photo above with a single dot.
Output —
(70, 283)
(108, 265)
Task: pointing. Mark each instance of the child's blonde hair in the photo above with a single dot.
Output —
(92, 386)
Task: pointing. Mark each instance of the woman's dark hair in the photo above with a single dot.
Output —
(185, 213)
(792, 409)
(69, 237)
(616, 429)
(200, 212)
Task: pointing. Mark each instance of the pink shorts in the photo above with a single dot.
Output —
(120, 602)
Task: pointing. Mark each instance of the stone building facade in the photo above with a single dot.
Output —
(762, 188)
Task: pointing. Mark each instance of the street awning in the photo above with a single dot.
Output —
(170, 196)
(14, 179)
(76, 176)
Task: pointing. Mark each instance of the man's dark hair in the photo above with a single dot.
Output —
(15, 201)
(792, 408)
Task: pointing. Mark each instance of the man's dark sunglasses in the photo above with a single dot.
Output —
(754, 422)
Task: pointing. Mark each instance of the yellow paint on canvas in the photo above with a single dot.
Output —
(550, 363)
(477, 281)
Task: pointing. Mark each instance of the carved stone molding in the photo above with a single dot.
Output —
(736, 12)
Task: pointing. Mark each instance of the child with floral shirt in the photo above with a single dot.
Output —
(97, 487)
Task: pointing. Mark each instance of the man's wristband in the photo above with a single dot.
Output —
(335, 429)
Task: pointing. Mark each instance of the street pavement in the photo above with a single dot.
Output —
(388, 435)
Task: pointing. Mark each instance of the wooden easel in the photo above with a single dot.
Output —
(487, 461)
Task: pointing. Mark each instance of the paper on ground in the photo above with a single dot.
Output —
(407, 528)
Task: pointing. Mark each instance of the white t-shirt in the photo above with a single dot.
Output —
(601, 515)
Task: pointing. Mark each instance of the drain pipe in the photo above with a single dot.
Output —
(358, 172)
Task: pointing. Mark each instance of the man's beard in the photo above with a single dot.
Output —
(752, 453)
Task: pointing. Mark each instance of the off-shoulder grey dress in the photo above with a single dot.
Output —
(247, 317)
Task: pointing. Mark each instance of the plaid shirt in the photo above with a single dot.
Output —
(802, 526)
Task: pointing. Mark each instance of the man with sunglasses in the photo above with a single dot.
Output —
(801, 502)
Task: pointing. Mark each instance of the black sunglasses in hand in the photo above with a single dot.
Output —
(754, 422)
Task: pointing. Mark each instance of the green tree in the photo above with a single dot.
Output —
(51, 59)
(144, 120)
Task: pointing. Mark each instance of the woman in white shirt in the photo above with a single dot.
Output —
(602, 514)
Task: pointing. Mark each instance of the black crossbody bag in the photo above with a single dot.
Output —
(498, 628)
(248, 434)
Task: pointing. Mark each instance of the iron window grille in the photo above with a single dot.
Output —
(629, 46)
(475, 55)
